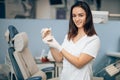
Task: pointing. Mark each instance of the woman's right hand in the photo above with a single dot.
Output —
(46, 32)
(51, 42)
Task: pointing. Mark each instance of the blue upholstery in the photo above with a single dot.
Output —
(48, 69)
(35, 78)
(14, 64)
(12, 32)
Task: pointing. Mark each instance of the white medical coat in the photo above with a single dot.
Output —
(88, 45)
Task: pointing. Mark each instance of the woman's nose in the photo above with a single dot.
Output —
(77, 18)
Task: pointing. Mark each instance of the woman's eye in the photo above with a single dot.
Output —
(80, 15)
(73, 15)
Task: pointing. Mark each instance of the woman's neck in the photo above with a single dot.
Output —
(81, 32)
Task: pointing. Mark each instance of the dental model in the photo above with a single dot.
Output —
(46, 33)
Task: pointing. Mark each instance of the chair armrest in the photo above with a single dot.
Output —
(35, 78)
(48, 69)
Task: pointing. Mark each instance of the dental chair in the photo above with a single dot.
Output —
(18, 72)
(10, 60)
(24, 58)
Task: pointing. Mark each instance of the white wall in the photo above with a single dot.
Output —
(44, 10)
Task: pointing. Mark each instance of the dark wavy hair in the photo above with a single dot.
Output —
(88, 26)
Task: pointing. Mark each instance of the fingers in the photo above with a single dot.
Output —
(48, 39)
(45, 32)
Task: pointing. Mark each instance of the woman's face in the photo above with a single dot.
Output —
(79, 16)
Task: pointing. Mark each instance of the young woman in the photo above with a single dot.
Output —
(80, 46)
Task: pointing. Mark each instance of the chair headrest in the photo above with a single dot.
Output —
(20, 41)
(10, 33)
(13, 31)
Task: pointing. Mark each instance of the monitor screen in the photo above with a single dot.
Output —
(55, 2)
